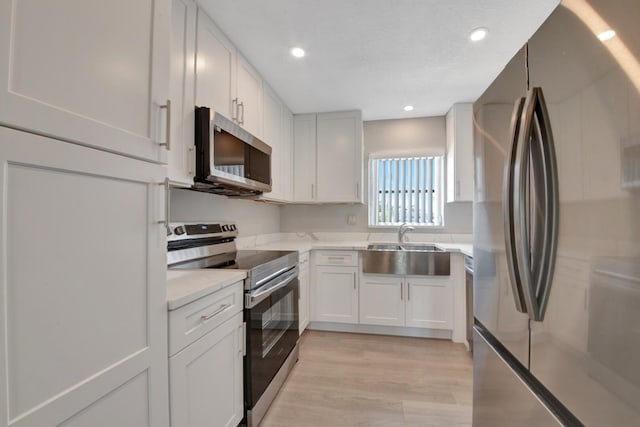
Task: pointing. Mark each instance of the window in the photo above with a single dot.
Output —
(405, 189)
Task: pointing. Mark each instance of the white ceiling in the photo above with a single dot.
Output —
(378, 55)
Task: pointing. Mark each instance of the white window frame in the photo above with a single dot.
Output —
(437, 185)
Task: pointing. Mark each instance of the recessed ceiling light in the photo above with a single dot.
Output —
(298, 52)
(606, 35)
(408, 107)
(478, 34)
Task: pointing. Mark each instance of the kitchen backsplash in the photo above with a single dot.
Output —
(252, 218)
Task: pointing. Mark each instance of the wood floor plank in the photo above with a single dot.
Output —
(357, 380)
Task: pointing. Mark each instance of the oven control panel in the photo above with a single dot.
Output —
(193, 230)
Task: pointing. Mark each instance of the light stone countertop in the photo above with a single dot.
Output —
(305, 246)
(185, 286)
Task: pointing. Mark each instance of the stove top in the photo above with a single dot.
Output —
(194, 246)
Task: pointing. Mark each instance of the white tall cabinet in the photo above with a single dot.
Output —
(94, 73)
(83, 134)
(83, 338)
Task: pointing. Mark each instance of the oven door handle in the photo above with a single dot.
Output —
(254, 299)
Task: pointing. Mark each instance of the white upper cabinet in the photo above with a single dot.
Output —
(339, 157)
(328, 151)
(304, 157)
(459, 135)
(287, 162)
(248, 97)
(182, 86)
(94, 73)
(273, 136)
(215, 68)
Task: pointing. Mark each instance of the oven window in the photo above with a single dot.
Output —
(276, 321)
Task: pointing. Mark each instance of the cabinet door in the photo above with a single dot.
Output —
(303, 306)
(287, 162)
(95, 73)
(272, 135)
(182, 86)
(215, 68)
(459, 135)
(382, 300)
(336, 294)
(429, 302)
(83, 320)
(304, 158)
(339, 157)
(206, 379)
(249, 92)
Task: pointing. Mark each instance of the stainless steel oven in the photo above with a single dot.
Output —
(270, 309)
(271, 315)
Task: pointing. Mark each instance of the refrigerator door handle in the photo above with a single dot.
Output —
(536, 208)
(508, 200)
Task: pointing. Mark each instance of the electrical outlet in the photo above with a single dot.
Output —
(351, 219)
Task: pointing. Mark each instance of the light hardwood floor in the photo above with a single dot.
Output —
(371, 380)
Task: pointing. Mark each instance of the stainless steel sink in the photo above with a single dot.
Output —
(406, 259)
(403, 247)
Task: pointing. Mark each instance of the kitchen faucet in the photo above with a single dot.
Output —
(402, 230)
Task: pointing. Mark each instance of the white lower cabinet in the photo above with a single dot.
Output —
(336, 294)
(205, 377)
(82, 293)
(411, 301)
(382, 300)
(303, 306)
(429, 302)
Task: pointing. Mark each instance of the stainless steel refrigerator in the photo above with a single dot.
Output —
(557, 225)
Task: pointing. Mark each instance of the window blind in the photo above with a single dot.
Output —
(405, 189)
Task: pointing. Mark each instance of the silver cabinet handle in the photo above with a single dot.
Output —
(538, 219)
(234, 109)
(357, 190)
(243, 339)
(408, 291)
(336, 258)
(401, 295)
(312, 191)
(241, 108)
(458, 188)
(167, 196)
(222, 308)
(167, 143)
(354, 280)
(508, 201)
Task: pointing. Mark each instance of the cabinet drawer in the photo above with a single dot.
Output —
(349, 258)
(192, 321)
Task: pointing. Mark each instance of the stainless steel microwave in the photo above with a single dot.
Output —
(229, 160)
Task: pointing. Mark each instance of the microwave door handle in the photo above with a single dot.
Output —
(508, 209)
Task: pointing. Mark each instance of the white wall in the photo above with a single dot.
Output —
(426, 135)
(251, 217)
